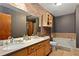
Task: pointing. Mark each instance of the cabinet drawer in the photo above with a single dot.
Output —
(32, 48)
(47, 47)
(46, 42)
(35, 47)
(40, 52)
(22, 52)
(40, 45)
(32, 54)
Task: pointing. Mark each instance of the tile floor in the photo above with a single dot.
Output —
(63, 52)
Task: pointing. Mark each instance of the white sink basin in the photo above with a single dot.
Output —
(19, 43)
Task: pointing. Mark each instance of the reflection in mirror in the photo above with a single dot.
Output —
(18, 22)
(32, 25)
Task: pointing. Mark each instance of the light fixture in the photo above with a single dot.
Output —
(58, 4)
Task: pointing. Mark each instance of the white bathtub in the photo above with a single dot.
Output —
(66, 42)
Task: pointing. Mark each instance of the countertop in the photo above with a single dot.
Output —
(15, 47)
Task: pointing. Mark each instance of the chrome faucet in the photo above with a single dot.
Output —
(29, 37)
(11, 39)
(26, 37)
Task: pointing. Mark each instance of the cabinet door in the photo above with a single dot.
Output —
(47, 50)
(49, 19)
(32, 50)
(47, 47)
(40, 51)
(44, 20)
(22, 52)
(32, 54)
(40, 20)
(5, 26)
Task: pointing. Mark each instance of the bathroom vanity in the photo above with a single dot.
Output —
(39, 46)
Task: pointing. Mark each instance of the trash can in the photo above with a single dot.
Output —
(54, 44)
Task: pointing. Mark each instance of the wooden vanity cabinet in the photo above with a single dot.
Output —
(32, 54)
(36, 50)
(22, 52)
(40, 52)
(39, 49)
(32, 50)
(48, 47)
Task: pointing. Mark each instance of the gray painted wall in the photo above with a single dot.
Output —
(1, 9)
(77, 25)
(65, 23)
(18, 22)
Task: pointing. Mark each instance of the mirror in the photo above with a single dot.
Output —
(32, 25)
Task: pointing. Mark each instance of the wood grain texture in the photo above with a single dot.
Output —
(30, 28)
(22, 52)
(39, 49)
(5, 26)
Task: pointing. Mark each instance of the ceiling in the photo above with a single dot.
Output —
(64, 9)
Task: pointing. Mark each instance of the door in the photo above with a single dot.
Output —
(5, 26)
(30, 28)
